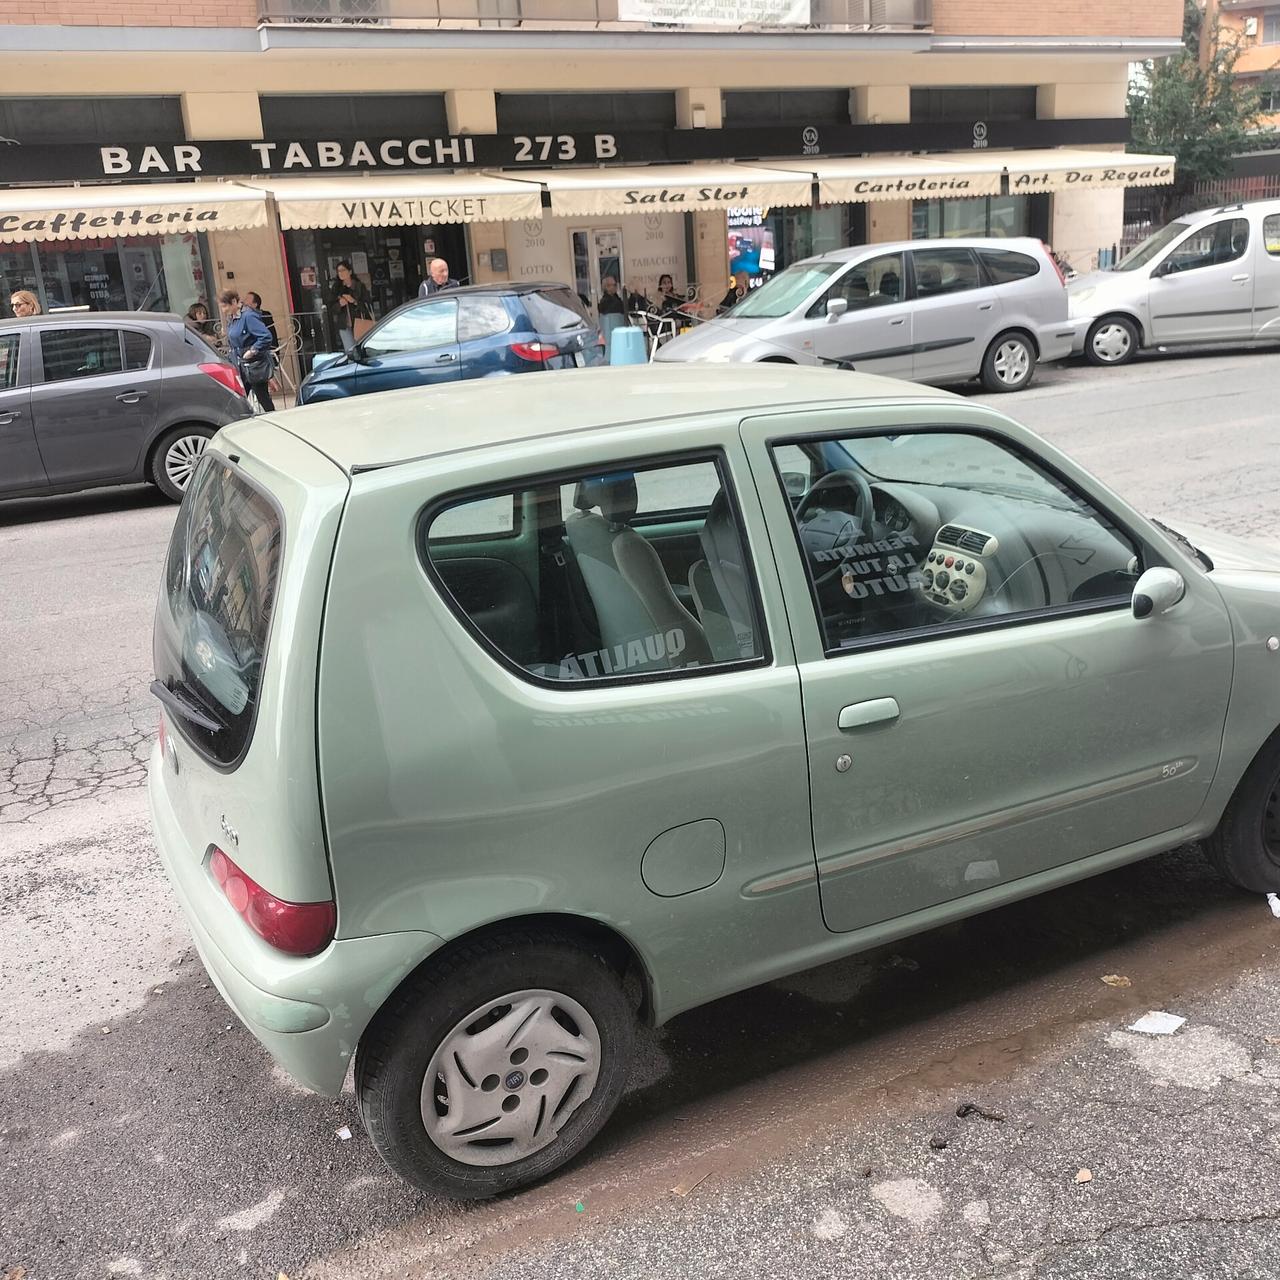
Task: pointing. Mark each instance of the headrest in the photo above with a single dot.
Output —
(614, 494)
(719, 534)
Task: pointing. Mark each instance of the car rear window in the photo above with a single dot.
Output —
(215, 609)
(1004, 266)
(555, 310)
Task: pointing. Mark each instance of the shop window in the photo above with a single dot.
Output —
(650, 576)
(8, 361)
(79, 353)
(434, 324)
(743, 108)
(364, 115)
(989, 216)
(978, 102)
(137, 350)
(480, 317)
(942, 271)
(531, 113)
(103, 121)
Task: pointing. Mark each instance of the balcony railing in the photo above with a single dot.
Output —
(549, 15)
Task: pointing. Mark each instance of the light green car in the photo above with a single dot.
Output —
(500, 715)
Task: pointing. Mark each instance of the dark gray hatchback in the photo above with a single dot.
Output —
(107, 397)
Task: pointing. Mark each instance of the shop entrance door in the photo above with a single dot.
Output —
(597, 252)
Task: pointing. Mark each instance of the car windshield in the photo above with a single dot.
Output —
(1152, 246)
(787, 290)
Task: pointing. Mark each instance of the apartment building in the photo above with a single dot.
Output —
(1256, 25)
(152, 154)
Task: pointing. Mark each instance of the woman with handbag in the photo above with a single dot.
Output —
(250, 343)
(350, 306)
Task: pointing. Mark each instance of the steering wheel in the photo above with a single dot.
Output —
(864, 505)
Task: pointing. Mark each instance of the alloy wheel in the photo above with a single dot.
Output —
(181, 457)
(1012, 362)
(508, 1077)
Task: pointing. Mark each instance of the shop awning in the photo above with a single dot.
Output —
(668, 188)
(1032, 171)
(402, 201)
(162, 209)
(844, 180)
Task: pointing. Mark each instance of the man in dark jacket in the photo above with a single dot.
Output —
(254, 300)
(438, 279)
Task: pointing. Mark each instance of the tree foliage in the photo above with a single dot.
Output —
(1196, 109)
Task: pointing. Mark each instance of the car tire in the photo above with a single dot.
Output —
(1010, 363)
(422, 1051)
(1245, 848)
(174, 459)
(1112, 341)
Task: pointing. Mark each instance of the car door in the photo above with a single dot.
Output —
(21, 467)
(1266, 278)
(957, 313)
(93, 401)
(1202, 290)
(416, 346)
(874, 332)
(978, 717)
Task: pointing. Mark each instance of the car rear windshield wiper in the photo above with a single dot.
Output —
(179, 705)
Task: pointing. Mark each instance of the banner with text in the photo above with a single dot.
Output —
(717, 13)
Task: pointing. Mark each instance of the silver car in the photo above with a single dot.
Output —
(1208, 277)
(101, 398)
(937, 311)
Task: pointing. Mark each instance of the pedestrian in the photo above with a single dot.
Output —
(611, 301)
(668, 299)
(254, 300)
(438, 279)
(250, 343)
(741, 286)
(198, 319)
(349, 302)
(24, 303)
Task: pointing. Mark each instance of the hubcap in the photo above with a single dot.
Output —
(181, 458)
(1111, 342)
(506, 1079)
(1012, 363)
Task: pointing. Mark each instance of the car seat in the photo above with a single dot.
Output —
(928, 279)
(891, 286)
(719, 586)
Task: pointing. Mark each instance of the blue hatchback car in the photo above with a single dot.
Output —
(480, 331)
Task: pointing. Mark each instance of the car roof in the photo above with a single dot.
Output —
(96, 318)
(363, 433)
(1020, 244)
(504, 286)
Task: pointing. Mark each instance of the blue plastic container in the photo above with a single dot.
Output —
(627, 346)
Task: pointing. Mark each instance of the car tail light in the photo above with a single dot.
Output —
(535, 351)
(1048, 253)
(226, 375)
(299, 928)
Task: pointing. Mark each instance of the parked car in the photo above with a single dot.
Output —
(478, 744)
(1208, 277)
(481, 331)
(937, 311)
(108, 397)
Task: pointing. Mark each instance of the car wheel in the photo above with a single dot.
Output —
(1246, 846)
(174, 459)
(1010, 363)
(491, 1070)
(1113, 340)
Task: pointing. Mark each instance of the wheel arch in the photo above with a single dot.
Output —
(1014, 330)
(163, 433)
(1119, 313)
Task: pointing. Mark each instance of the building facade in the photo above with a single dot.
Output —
(1255, 24)
(151, 155)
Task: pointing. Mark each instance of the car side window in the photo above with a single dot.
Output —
(137, 350)
(875, 283)
(1004, 266)
(433, 324)
(1210, 246)
(8, 361)
(1271, 234)
(480, 317)
(79, 353)
(613, 598)
(912, 533)
(940, 271)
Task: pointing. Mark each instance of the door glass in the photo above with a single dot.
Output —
(79, 353)
(940, 271)
(432, 325)
(1271, 234)
(606, 607)
(961, 528)
(1211, 246)
(8, 361)
(137, 350)
(481, 317)
(870, 284)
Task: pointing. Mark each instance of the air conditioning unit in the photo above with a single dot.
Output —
(1251, 26)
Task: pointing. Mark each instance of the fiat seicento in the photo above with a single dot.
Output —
(493, 722)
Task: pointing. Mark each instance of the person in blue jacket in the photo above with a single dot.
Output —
(250, 343)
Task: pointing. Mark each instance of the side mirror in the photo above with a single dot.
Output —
(1157, 591)
(1164, 269)
(326, 360)
(836, 307)
(796, 483)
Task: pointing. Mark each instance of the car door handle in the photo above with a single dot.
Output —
(893, 324)
(130, 397)
(985, 306)
(9, 415)
(446, 358)
(858, 714)
(1239, 279)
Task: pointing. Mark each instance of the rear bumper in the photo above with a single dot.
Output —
(1057, 341)
(308, 1013)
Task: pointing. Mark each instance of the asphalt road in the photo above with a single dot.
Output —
(808, 1128)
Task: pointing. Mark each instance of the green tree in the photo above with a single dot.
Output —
(1196, 108)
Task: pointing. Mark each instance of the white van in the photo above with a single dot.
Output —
(937, 311)
(1208, 277)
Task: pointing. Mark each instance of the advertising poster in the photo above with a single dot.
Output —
(751, 247)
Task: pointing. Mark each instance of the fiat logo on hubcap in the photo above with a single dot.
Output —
(514, 1079)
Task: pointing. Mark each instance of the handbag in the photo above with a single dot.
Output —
(258, 370)
(360, 326)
